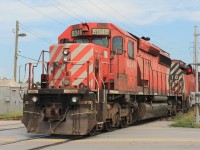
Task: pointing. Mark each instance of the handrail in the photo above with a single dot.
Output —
(31, 72)
(104, 95)
(79, 61)
(97, 88)
(30, 76)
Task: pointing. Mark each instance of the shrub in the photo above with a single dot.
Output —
(186, 120)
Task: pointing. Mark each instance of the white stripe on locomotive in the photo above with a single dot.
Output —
(52, 53)
(83, 76)
(77, 50)
(175, 68)
(85, 58)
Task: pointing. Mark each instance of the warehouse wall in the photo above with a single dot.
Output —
(10, 100)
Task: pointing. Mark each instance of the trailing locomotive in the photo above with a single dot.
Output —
(101, 77)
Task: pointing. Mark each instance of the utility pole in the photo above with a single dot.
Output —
(20, 73)
(16, 50)
(196, 73)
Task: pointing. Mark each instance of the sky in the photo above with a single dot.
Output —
(169, 24)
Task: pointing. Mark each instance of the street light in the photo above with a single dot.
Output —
(16, 48)
(22, 34)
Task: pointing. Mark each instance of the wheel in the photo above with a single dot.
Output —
(116, 120)
(135, 115)
(123, 123)
(92, 132)
(108, 127)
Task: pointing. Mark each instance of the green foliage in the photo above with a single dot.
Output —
(11, 116)
(38, 83)
(186, 120)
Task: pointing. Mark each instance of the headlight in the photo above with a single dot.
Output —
(65, 52)
(34, 99)
(66, 58)
(74, 99)
(66, 82)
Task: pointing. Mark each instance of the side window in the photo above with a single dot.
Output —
(64, 40)
(117, 45)
(131, 49)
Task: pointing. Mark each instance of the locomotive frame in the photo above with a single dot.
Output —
(101, 77)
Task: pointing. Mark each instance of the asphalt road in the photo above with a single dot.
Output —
(146, 136)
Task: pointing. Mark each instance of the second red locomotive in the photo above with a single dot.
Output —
(100, 77)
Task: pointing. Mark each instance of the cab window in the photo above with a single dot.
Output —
(100, 41)
(81, 41)
(117, 45)
(131, 49)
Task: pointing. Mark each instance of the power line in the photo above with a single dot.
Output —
(106, 3)
(124, 16)
(28, 58)
(70, 10)
(42, 13)
(80, 6)
(74, 12)
(35, 34)
(61, 10)
(108, 14)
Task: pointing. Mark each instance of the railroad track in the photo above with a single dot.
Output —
(61, 138)
(23, 140)
(58, 143)
(16, 126)
(12, 124)
(11, 128)
(53, 137)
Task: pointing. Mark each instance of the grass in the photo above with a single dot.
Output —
(11, 116)
(186, 120)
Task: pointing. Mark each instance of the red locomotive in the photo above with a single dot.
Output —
(101, 77)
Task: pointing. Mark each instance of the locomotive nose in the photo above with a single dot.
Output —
(71, 65)
(52, 113)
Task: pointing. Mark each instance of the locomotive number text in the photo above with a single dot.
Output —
(100, 31)
(77, 32)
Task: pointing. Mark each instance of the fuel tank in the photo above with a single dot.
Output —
(151, 110)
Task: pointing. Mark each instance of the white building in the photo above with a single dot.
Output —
(10, 100)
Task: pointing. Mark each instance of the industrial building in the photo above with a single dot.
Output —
(10, 100)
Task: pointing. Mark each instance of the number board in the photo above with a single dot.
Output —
(77, 32)
(174, 77)
(100, 31)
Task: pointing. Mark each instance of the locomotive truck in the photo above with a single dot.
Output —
(100, 77)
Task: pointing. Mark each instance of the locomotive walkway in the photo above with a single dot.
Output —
(153, 135)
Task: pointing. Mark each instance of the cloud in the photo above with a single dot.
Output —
(150, 12)
(48, 18)
(139, 12)
(39, 15)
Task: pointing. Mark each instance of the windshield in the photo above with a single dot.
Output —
(81, 41)
(98, 41)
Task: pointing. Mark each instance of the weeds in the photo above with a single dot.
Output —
(11, 116)
(186, 120)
